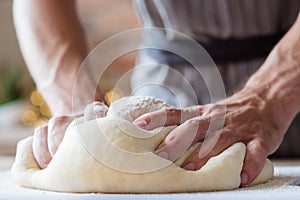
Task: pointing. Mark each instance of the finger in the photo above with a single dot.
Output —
(40, 146)
(95, 110)
(182, 137)
(254, 161)
(212, 146)
(57, 127)
(166, 117)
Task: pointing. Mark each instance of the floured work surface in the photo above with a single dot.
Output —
(277, 188)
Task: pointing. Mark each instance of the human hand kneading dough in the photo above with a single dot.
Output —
(48, 137)
(258, 115)
(248, 119)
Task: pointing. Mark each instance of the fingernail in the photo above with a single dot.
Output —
(163, 154)
(190, 166)
(244, 179)
(140, 123)
(170, 137)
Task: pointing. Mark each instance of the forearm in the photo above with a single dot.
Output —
(53, 46)
(278, 80)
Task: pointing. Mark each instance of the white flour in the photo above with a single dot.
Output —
(277, 188)
(130, 108)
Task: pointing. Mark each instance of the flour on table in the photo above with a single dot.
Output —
(111, 155)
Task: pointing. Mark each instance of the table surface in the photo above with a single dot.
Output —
(6, 162)
(282, 185)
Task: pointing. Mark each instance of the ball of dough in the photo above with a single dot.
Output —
(111, 155)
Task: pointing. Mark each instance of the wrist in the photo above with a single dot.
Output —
(277, 83)
(69, 94)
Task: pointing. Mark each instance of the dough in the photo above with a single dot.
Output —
(111, 155)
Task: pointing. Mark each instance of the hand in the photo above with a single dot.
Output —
(48, 137)
(247, 118)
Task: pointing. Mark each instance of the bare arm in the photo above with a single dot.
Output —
(53, 45)
(278, 79)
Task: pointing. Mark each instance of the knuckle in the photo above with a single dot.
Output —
(200, 121)
(172, 112)
(171, 115)
(257, 152)
(223, 138)
(211, 107)
(96, 103)
(60, 119)
(218, 107)
(194, 121)
(196, 125)
(257, 144)
(261, 147)
(251, 110)
(58, 124)
(41, 130)
(200, 109)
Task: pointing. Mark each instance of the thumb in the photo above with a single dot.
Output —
(255, 158)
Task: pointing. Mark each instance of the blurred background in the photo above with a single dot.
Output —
(21, 107)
